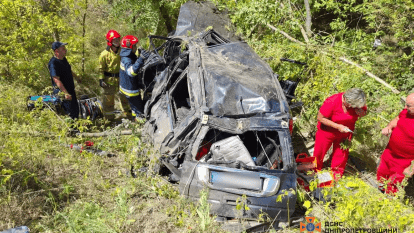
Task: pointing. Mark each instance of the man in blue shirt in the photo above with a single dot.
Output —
(62, 78)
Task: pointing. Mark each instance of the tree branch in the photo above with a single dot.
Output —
(304, 33)
(302, 30)
(285, 34)
(394, 90)
(370, 74)
(106, 133)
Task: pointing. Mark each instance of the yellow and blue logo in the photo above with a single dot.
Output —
(310, 226)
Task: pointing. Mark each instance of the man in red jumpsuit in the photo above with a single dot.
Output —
(396, 159)
(336, 121)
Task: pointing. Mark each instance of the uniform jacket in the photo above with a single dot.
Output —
(109, 62)
(129, 83)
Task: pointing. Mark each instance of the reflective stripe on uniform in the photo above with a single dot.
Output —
(122, 67)
(128, 92)
(131, 71)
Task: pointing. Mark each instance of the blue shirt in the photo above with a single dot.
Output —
(63, 70)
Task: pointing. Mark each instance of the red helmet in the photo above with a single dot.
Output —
(112, 34)
(128, 41)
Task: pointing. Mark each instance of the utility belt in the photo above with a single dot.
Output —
(111, 79)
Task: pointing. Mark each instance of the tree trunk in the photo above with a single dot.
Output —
(167, 19)
(83, 41)
(308, 22)
(52, 7)
(163, 14)
(56, 34)
(133, 23)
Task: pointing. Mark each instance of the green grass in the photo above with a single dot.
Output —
(52, 188)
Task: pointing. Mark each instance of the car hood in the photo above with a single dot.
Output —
(237, 82)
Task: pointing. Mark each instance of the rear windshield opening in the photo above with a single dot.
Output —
(252, 148)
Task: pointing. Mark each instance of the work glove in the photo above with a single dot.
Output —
(144, 54)
(102, 83)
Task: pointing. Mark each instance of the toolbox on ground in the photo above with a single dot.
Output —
(307, 172)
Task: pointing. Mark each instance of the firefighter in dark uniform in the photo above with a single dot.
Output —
(129, 83)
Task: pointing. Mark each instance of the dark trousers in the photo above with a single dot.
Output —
(71, 107)
(136, 104)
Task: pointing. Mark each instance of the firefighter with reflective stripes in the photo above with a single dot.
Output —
(109, 62)
(130, 85)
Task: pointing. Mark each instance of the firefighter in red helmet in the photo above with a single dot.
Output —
(109, 62)
(130, 85)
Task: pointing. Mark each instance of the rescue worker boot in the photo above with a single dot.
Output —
(126, 115)
(126, 109)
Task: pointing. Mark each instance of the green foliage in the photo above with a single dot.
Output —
(88, 217)
(29, 28)
(93, 217)
(147, 17)
(385, 20)
(357, 204)
(345, 144)
(179, 216)
(191, 215)
(339, 29)
(368, 207)
(25, 52)
(203, 210)
(163, 189)
(241, 204)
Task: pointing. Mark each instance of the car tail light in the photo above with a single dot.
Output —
(291, 126)
(203, 150)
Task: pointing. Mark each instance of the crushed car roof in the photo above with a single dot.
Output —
(238, 82)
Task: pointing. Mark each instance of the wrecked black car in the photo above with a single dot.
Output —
(221, 120)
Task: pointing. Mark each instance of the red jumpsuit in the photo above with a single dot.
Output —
(399, 152)
(326, 136)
